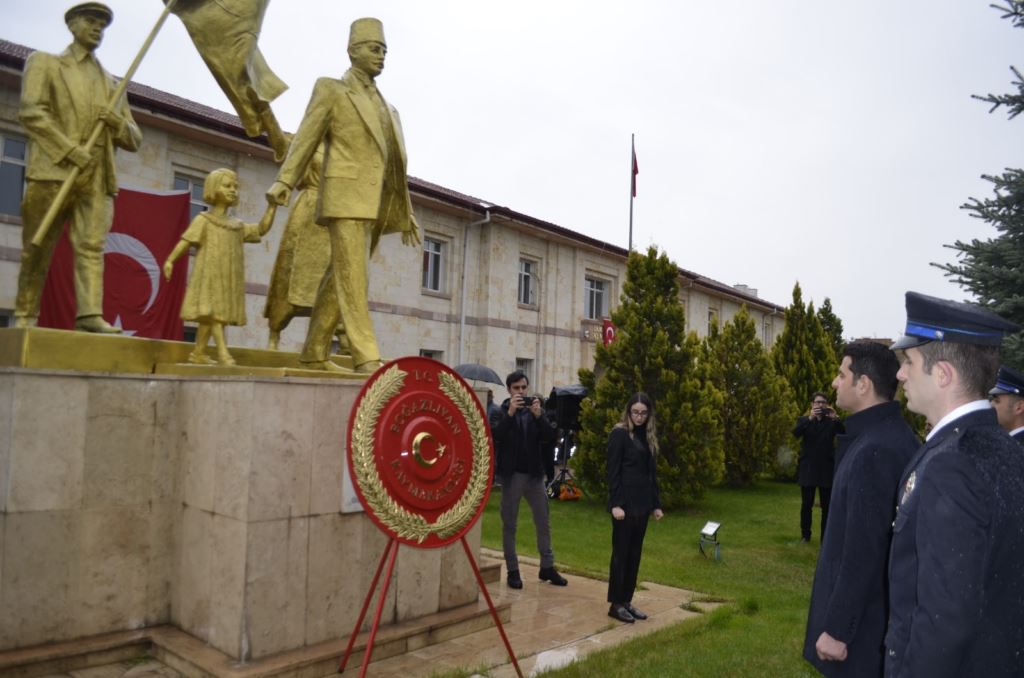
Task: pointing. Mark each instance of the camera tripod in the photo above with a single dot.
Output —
(563, 477)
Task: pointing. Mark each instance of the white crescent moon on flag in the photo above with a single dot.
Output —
(609, 334)
(133, 248)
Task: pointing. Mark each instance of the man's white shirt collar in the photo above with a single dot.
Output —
(966, 408)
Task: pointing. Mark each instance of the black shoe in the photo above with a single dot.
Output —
(514, 580)
(551, 574)
(637, 614)
(621, 613)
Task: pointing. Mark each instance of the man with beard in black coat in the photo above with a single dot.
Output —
(956, 586)
(849, 601)
(815, 465)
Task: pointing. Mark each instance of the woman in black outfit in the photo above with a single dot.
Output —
(632, 499)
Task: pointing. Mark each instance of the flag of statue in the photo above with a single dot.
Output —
(226, 33)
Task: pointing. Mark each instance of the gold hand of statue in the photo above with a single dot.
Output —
(279, 193)
(112, 119)
(80, 157)
(412, 236)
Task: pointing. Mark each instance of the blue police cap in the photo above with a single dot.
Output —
(1008, 382)
(934, 319)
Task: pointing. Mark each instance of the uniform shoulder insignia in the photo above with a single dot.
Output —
(908, 487)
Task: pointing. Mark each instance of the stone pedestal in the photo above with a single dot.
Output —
(218, 505)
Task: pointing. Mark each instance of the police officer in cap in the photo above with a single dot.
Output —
(1007, 400)
(956, 581)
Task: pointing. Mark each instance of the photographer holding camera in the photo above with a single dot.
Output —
(521, 434)
(817, 433)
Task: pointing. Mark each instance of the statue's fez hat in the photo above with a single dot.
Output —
(366, 30)
(89, 8)
(934, 319)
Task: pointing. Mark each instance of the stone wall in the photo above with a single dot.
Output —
(219, 505)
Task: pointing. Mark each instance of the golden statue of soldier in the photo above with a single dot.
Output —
(63, 97)
(364, 194)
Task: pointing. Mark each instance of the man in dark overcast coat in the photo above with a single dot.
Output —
(816, 463)
(849, 601)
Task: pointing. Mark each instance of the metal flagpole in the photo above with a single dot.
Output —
(632, 185)
(62, 195)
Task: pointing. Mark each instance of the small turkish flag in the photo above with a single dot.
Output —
(608, 331)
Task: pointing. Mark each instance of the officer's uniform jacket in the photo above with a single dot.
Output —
(956, 573)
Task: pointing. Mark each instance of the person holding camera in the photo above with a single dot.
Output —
(521, 434)
(817, 432)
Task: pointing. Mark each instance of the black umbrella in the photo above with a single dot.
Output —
(478, 373)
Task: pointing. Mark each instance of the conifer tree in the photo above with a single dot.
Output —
(802, 355)
(653, 353)
(758, 410)
(993, 270)
(832, 325)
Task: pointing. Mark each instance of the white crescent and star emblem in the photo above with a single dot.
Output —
(609, 334)
(135, 249)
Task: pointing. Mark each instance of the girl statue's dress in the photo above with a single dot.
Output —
(216, 287)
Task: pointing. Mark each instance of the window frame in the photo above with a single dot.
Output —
(599, 290)
(13, 161)
(440, 260)
(528, 273)
(196, 204)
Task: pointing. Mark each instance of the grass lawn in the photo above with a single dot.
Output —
(765, 573)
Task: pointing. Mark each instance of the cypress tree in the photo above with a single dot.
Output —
(653, 353)
(993, 270)
(758, 410)
(832, 325)
(802, 355)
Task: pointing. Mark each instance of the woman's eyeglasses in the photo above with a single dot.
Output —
(639, 413)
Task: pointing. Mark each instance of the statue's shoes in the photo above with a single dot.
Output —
(200, 359)
(95, 323)
(326, 366)
(369, 367)
(22, 322)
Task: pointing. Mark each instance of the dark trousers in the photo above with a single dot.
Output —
(807, 504)
(627, 543)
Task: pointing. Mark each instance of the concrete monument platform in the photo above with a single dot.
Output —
(216, 505)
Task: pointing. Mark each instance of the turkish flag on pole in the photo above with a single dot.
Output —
(136, 298)
(636, 171)
(607, 331)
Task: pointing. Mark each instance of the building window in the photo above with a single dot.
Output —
(595, 305)
(433, 264)
(6, 317)
(766, 335)
(712, 319)
(528, 282)
(194, 186)
(525, 365)
(12, 173)
(432, 354)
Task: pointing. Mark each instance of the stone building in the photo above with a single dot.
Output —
(490, 285)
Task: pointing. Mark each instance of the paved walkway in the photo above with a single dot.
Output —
(550, 627)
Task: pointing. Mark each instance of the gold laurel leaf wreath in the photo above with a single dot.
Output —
(453, 520)
(405, 523)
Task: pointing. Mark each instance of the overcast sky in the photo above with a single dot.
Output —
(794, 140)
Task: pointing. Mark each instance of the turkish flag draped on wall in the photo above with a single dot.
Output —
(136, 297)
(607, 331)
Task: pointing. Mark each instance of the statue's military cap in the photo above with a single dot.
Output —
(1008, 382)
(934, 319)
(89, 8)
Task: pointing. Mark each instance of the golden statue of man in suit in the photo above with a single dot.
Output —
(364, 193)
(62, 99)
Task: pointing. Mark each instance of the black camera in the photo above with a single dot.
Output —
(528, 400)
